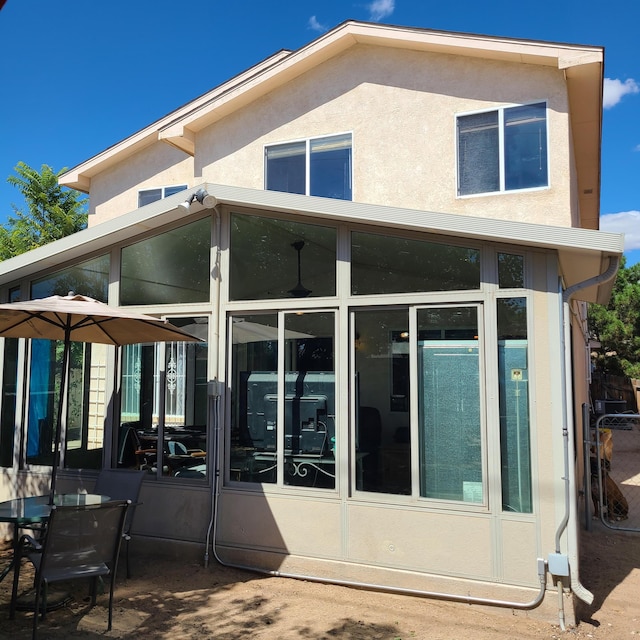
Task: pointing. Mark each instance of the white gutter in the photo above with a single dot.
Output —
(570, 519)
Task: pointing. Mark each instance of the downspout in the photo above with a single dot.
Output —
(213, 393)
(570, 516)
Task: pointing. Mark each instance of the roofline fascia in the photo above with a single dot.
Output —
(164, 212)
(76, 177)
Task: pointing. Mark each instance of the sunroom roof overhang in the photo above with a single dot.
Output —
(583, 253)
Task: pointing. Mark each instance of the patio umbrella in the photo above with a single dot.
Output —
(76, 318)
(244, 331)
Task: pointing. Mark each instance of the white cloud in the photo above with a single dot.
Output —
(380, 9)
(314, 25)
(627, 222)
(614, 90)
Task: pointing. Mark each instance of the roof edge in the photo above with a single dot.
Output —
(569, 242)
(177, 128)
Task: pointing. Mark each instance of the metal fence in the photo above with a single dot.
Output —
(612, 456)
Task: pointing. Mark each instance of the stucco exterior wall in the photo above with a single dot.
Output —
(401, 107)
(115, 191)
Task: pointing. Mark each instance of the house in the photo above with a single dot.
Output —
(386, 240)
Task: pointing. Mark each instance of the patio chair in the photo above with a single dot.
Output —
(80, 542)
(122, 484)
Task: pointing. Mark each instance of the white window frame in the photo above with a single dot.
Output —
(163, 191)
(307, 157)
(501, 154)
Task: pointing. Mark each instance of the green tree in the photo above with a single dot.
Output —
(52, 212)
(617, 325)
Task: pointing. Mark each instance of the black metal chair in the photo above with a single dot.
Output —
(122, 484)
(80, 542)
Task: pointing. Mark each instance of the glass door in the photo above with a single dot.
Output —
(283, 399)
(450, 408)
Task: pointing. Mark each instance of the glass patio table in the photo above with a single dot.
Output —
(34, 510)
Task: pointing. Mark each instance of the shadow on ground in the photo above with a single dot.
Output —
(165, 599)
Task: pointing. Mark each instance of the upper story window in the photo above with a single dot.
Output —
(503, 150)
(314, 167)
(147, 196)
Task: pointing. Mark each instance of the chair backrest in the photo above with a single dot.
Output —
(120, 484)
(128, 444)
(85, 536)
(177, 448)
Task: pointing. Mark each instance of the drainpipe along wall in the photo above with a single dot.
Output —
(570, 520)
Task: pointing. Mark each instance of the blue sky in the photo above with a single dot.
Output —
(78, 76)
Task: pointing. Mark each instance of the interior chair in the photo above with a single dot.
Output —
(80, 542)
(185, 462)
(177, 448)
(122, 484)
(131, 452)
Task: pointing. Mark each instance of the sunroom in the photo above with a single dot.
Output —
(373, 385)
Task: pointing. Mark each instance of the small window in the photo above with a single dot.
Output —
(315, 167)
(503, 150)
(510, 271)
(147, 196)
(513, 381)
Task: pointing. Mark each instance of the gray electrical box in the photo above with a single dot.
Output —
(558, 564)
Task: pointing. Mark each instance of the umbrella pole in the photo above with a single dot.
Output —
(58, 433)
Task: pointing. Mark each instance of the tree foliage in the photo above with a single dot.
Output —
(52, 212)
(617, 325)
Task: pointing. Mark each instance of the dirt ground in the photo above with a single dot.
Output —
(167, 599)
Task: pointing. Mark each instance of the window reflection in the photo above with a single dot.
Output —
(9, 389)
(510, 270)
(89, 278)
(383, 447)
(449, 400)
(300, 421)
(85, 408)
(279, 259)
(382, 264)
(170, 268)
(310, 400)
(254, 361)
(164, 400)
(513, 375)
